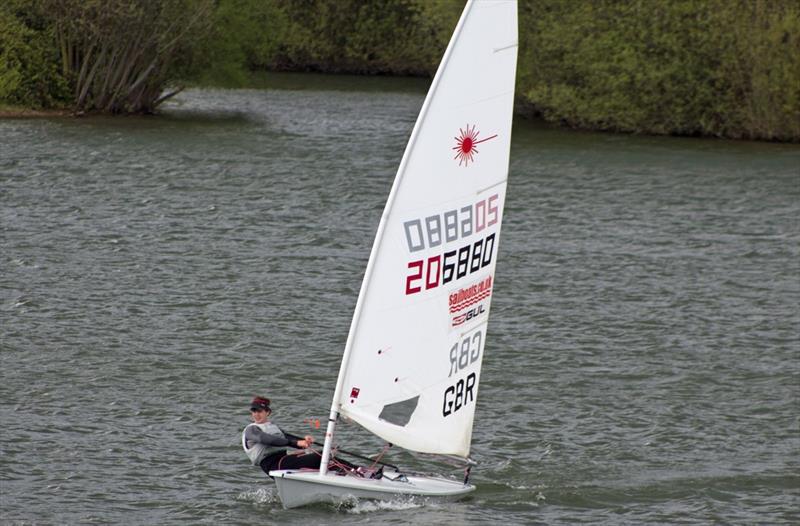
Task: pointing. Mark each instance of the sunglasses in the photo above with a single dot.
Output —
(257, 409)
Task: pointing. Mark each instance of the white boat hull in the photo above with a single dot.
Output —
(299, 488)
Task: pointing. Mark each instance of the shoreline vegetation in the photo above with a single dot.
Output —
(711, 68)
(22, 112)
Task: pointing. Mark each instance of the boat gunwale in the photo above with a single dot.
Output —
(364, 484)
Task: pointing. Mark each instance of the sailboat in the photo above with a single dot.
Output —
(412, 361)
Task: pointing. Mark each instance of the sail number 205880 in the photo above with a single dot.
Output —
(439, 230)
(450, 266)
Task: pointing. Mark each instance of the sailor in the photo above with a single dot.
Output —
(265, 443)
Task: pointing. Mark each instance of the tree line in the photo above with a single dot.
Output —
(725, 68)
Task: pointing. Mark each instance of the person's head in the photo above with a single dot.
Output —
(259, 409)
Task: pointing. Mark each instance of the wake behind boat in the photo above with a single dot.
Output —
(411, 365)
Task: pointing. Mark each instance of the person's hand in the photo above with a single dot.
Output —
(306, 442)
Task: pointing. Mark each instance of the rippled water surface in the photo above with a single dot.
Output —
(643, 363)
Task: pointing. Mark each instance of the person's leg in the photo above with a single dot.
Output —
(271, 462)
(306, 460)
(281, 460)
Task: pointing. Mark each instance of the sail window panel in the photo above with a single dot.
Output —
(399, 413)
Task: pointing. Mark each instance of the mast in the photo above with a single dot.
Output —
(334, 413)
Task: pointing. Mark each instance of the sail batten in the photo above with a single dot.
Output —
(411, 368)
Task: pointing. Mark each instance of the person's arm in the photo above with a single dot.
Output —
(298, 442)
(254, 435)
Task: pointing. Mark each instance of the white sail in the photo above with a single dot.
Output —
(412, 364)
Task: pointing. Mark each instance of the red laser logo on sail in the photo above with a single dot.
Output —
(466, 145)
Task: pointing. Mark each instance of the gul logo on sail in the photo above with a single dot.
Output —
(466, 143)
(470, 302)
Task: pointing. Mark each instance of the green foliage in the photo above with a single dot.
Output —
(245, 36)
(115, 56)
(29, 74)
(120, 55)
(691, 67)
(728, 68)
(353, 36)
(760, 72)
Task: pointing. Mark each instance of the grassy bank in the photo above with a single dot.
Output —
(10, 111)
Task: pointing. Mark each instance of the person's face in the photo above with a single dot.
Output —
(259, 416)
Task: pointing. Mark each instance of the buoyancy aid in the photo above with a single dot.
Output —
(258, 451)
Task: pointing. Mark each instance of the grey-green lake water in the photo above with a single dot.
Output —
(643, 357)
